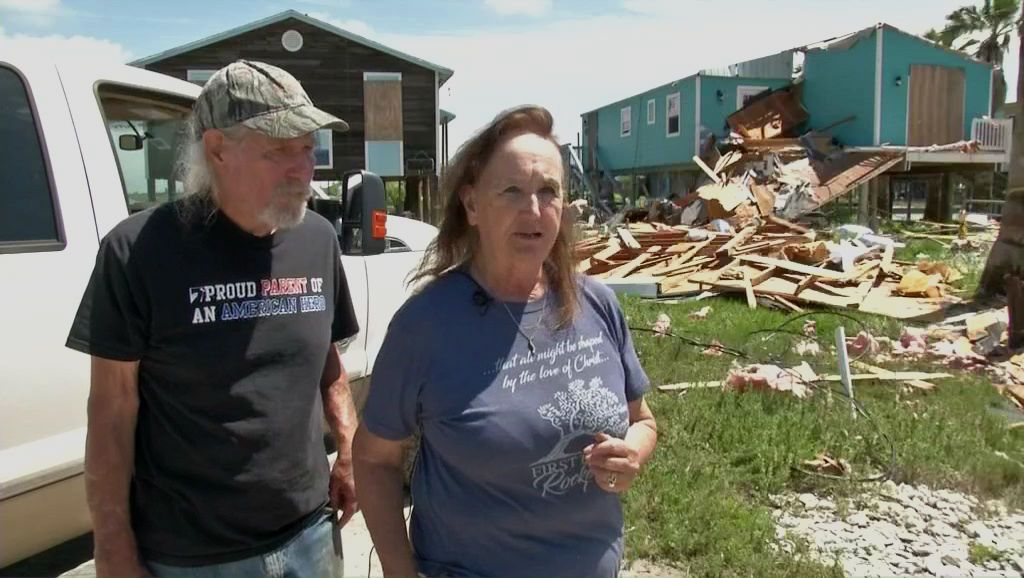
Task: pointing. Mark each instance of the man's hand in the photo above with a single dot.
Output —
(342, 490)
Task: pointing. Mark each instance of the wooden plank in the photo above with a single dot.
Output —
(707, 170)
(583, 266)
(745, 234)
(792, 306)
(749, 289)
(791, 266)
(627, 238)
(758, 247)
(763, 276)
(892, 376)
(691, 266)
(784, 223)
(807, 282)
(776, 286)
(624, 270)
(719, 272)
(887, 255)
(613, 248)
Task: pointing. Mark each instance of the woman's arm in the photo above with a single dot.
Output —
(379, 476)
(616, 462)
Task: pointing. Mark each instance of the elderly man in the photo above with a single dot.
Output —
(211, 323)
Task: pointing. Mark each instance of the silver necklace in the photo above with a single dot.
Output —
(536, 328)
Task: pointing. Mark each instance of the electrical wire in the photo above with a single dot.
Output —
(860, 409)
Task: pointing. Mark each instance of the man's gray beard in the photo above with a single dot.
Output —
(284, 215)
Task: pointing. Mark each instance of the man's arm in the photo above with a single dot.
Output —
(109, 461)
(340, 413)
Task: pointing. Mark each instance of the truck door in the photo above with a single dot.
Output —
(48, 244)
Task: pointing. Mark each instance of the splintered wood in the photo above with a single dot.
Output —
(778, 261)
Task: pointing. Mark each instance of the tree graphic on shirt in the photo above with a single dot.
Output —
(585, 408)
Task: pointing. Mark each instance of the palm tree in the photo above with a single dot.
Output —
(939, 37)
(1007, 255)
(994, 21)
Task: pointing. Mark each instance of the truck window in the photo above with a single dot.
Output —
(28, 221)
(145, 130)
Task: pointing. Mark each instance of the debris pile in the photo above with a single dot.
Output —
(775, 262)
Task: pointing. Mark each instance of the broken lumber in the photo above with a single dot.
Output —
(892, 376)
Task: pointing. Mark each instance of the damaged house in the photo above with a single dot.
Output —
(877, 110)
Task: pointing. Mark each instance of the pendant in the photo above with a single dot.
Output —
(529, 345)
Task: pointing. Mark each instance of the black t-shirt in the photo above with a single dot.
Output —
(231, 332)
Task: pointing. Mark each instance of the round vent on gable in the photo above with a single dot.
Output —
(291, 40)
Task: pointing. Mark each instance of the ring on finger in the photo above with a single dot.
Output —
(611, 480)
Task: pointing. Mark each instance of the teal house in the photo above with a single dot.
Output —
(877, 87)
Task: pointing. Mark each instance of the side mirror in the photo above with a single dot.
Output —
(129, 142)
(364, 224)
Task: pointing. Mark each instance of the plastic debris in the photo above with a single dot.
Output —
(662, 325)
(807, 347)
(863, 344)
(810, 328)
(715, 350)
(701, 313)
(764, 377)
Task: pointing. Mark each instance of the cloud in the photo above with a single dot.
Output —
(520, 7)
(85, 48)
(350, 25)
(30, 6)
(37, 13)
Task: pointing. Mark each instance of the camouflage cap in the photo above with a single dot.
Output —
(261, 97)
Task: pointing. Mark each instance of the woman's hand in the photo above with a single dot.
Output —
(613, 462)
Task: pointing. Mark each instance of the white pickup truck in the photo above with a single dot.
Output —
(82, 147)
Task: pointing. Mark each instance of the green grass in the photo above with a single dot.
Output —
(978, 554)
(702, 504)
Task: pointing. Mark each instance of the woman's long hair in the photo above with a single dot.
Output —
(457, 242)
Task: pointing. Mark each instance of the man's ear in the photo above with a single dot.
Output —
(213, 143)
(467, 194)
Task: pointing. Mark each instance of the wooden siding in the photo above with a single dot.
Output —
(331, 69)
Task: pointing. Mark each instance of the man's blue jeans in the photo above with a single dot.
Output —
(310, 554)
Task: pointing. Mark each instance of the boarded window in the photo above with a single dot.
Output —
(672, 114)
(936, 105)
(626, 121)
(382, 103)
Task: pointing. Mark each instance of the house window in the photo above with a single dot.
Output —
(745, 93)
(626, 121)
(672, 115)
(199, 76)
(323, 150)
(28, 217)
(651, 108)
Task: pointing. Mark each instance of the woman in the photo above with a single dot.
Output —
(520, 376)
